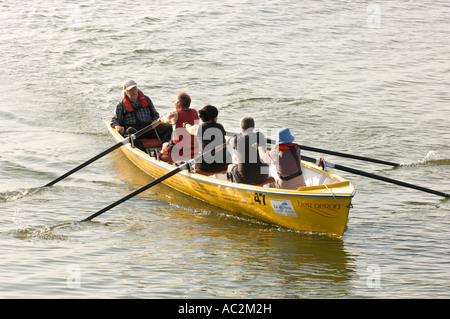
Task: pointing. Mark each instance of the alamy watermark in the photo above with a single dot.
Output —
(246, 149)
(374, 278)
(70, 14)
(18, 219)
(74, 278)
(374, 16)
(74, 16)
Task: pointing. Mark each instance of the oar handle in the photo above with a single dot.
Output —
(147, 128)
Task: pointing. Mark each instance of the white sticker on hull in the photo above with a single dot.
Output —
(283, 207)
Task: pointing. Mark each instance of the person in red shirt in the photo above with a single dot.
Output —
(182, 146)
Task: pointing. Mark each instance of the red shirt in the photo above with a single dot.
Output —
(185, 116)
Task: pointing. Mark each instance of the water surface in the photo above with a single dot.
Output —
(364, 78)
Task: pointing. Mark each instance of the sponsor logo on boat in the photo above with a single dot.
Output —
(283, 207)
(318, 205)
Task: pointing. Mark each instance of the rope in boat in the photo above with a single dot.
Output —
(348, 206)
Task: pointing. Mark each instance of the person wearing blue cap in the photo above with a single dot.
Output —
(286, 157)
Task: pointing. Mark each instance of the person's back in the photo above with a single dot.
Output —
(212, 135)
(189, 145)
(249, 169)
(288, 167)
(286, 157)
(182, 146)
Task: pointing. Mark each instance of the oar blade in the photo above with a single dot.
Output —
(93, 159)
(109, 150)
(378, 177)
(136, 192)
(329, 152)
(157, 181)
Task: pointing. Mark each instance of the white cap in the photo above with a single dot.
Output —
(129, 84)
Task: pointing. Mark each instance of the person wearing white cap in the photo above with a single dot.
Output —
(136, 111)
(286, 157)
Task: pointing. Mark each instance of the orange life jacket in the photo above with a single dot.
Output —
(128, 105)
(286, 146)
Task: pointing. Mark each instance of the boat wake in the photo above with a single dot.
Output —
(432, 158)
(11, 196)
(47, 232)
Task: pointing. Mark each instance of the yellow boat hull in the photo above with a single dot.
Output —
(320, 209)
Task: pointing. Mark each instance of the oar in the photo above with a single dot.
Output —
(319, 150)
(378, 177)
(136, 192)
(156, 181)
(109, 150)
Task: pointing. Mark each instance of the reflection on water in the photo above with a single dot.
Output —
(294, 264)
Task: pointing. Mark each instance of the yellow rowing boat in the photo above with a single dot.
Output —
(320, 207)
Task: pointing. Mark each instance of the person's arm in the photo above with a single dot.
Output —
(262, 149)
(170, 118)
(264, 155)
(118, 119)
(192, 129)
(155, 114)
(232, 142)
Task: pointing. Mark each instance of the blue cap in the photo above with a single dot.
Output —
(284, 136)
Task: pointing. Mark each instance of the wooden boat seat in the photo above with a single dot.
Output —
(199, 171)
(269, 180)
(151, 142)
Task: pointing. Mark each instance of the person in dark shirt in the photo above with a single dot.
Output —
(210, 135)
(249, 169)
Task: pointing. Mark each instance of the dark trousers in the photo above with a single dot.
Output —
(163, 132)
